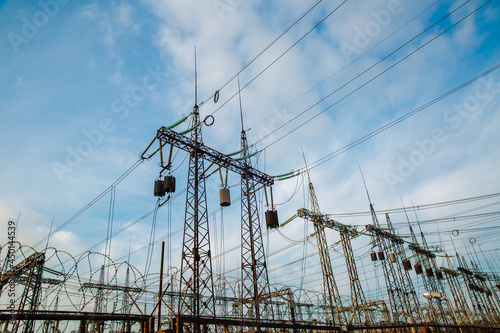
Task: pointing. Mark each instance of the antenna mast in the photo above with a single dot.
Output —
(195, 80)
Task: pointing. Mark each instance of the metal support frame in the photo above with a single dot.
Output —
(330, 289)
(196, 265)
(423, 256)
(408, 293)
(31, 268)
(190, 144)
(255, 280)
(359, 313)
(400, 289)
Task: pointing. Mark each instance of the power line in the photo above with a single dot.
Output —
(348, 65)
(364, 72)
(264, 50)
(392, 123)
(372, 79)
(280, 56)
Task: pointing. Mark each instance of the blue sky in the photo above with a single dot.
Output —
(85, 85)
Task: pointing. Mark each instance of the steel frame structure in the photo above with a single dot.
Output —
(196, 267)
(358, 300)
(333, 304)
(408, 289)
(32, 268)
(254, 277)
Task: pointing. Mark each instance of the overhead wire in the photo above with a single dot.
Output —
(279, 57)
(266, 48)
(365, 71)
(391, 123)
(439, 204)
(155, 211)
(347, 65)
(396, 121)
(371, 80)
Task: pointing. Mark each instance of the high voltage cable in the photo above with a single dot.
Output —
(365, 71)
(459, 218)
(459, 215)
(327, 157)
(265, 49)
(279, 57)
(136, 164)
(349, 64)
(392, 123)
(420, 207)
(372, 79)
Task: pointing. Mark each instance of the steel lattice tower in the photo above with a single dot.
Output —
(456, 291)
(358, 300)
(422, 256)
(255, 281)
(32, 268)
(331, 292)
(399, 303)
(126, 304)
(196, 267)
(99, 302)
(474, 296)
(407, 288)
(402, 296)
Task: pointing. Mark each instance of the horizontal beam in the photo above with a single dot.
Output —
(308, 326)
(420, 250)
(326, 221)
(37, 258)
(384, 234)
(240, 322)
(189, 145)
(90, 285)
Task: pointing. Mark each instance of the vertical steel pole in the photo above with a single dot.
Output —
(160, 289)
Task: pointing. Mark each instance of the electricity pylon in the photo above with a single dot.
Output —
(360, 314)
(401, 305)
(423, 255)
(196, 267)
(408, 289)
(456, 292)
(331, 292)
(31, 268)
(255, 280)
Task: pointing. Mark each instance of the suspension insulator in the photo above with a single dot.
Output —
(225, 197)
(373, 255)
(169, 184)
(407, 265)
(392, 257)
(159, 189)
(272, 219)
(439, 275)
(429, 272)
(418, 268)
(479, 277)
(381, 255)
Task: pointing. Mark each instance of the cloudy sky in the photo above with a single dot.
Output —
(85, 85)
